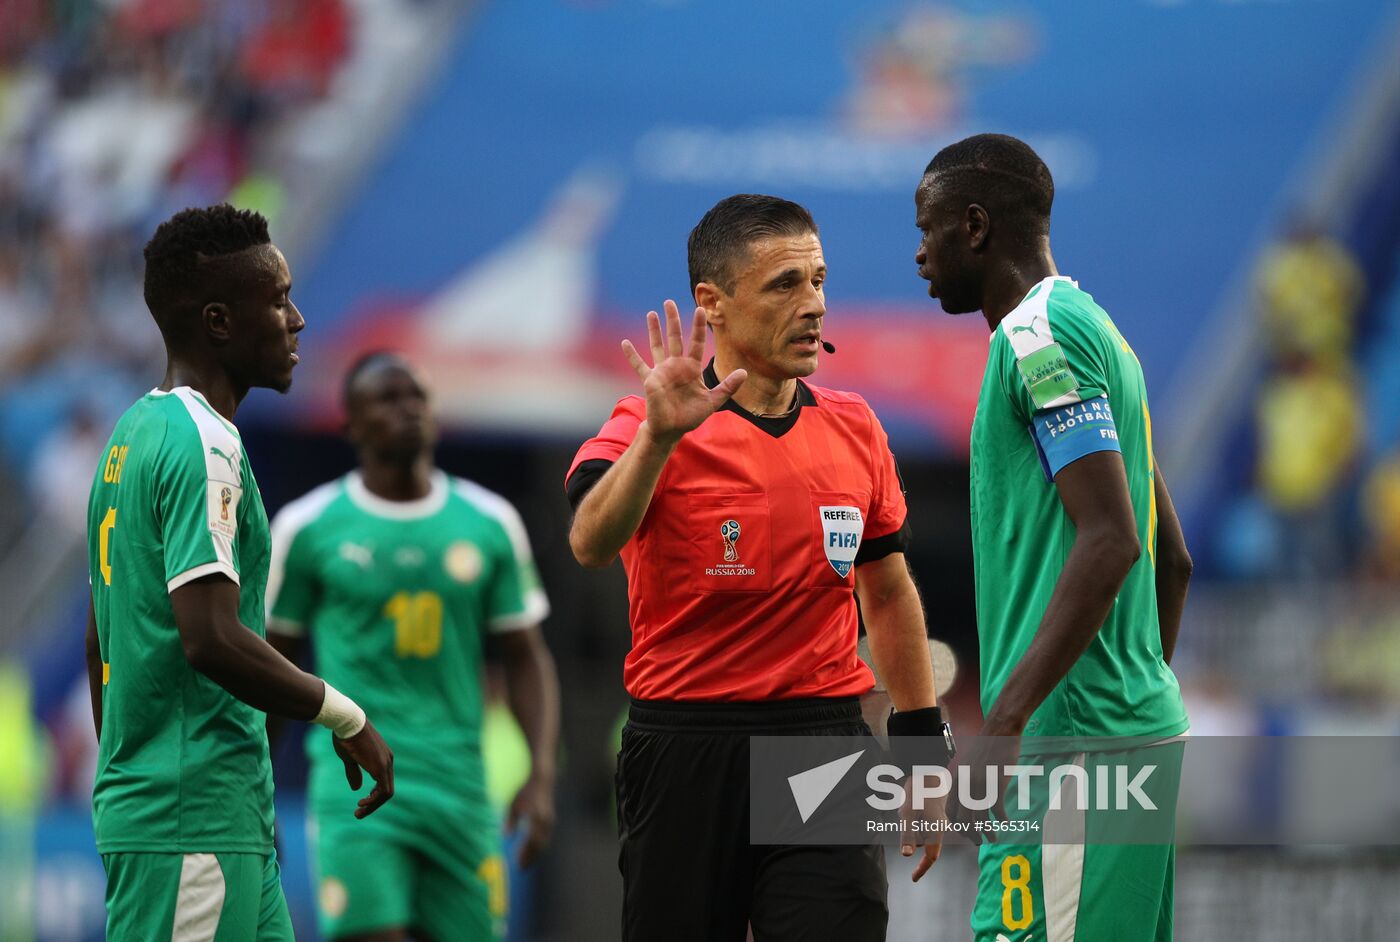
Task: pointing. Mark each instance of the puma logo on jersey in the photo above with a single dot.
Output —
(1029, 328)
(231, 459)
(362, 556)
(409, 557)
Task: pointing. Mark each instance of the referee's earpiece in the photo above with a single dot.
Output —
(828, 346)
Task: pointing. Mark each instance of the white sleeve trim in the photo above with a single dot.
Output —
(499, 509)
(496, 506)
(285, 626)
(198, 572)
(536, 611)
(1027, 326)
(223, 459)
(1068, 399)
(288, 523)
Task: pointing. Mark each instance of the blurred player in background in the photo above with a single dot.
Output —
(399, 575)
(178, 552)
(750, 512)
(1081, 567)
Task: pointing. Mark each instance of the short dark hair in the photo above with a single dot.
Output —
(177, 254)
(1000, 172)
(363, 364)
(731, 226)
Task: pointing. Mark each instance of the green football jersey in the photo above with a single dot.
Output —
(397, 598)
(182, 765)
(1060, 383)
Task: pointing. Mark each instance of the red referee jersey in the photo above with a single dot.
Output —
(741, 577)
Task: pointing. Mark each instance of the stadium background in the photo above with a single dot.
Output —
(503, 189)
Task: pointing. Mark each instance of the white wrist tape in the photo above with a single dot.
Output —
(340, 714)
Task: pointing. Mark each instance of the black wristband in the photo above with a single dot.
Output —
(920, 737)
(925, 722)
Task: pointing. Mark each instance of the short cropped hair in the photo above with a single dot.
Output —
(363, 364)
(178, 255)
(721, 239)
(1001, 173)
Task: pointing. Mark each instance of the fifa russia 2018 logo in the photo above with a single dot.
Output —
(225, 498)
(729, 532)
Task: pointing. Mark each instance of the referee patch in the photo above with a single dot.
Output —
(842, 528)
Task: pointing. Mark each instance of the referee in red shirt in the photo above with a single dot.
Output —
(750, 513)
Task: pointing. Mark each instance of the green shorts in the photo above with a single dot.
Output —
(445, 878)
(1086, 883)
(196, 897)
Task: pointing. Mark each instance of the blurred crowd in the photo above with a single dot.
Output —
(113, 115)
(1324, 495)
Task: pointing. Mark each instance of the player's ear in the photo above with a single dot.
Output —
(978, 226)
(217, 323)
(708, 296)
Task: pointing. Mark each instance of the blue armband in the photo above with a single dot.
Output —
(1066, 434)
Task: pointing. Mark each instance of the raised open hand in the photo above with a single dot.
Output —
(677, 398)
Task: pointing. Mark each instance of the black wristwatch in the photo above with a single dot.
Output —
(926, 724)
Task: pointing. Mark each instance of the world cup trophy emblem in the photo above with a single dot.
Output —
(729, 532)
(225, 498)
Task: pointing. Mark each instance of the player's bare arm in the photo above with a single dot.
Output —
(218, 645)
(1173, 566)
(532, 686)
(895, 626)
(677, 402)
(1094, 491)
(94, 670)
(290, 647)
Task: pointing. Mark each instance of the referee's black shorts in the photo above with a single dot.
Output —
(688, 869)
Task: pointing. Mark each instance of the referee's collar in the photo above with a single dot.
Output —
(777, 427)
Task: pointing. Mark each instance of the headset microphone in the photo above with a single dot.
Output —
(828, 346)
